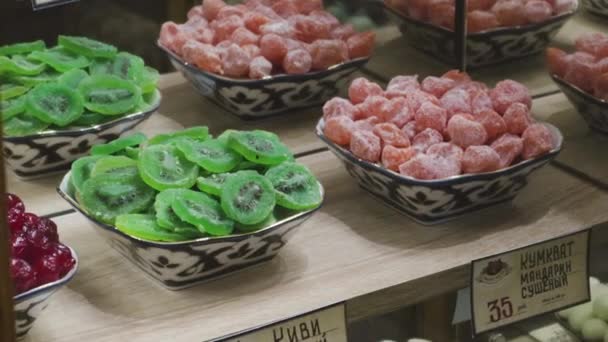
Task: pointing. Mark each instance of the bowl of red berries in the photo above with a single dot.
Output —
(39, 263)
(599, 7)
(497, 30)
(583, 77)
(264, 58)
(439, 148)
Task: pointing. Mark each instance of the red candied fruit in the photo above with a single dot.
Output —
(14, 202)
(457, 76)
(252, 50)
(243, 36)
(446, 150)
(594, 43)
(20, 246)
(538, 140)
(204, 56)
(225, 27)
(427, 167)
(361, 44)
(211, 8)
(580, 72)
(326, 17)
(508, 92)
(338, 107)
(253, 21)
(64, 257)
(537, 11)
(425, 139)
(339, 129)
(24, 277)
(281, 28)
(361, 88)
(47, 269)
(236, 62)
(437, 86)
(390, 134)
(418, 9)
(328, 52)
(473, 5)
(30, 221)
(510, 12)
(367, 124)
(308, 6)
(564, 6)
(365, 145)
(393, 157)
(172, 37)
(493, 123)
(600, 87)
(297, 62)
(409, 129)
(373, 106)
(456, 100)
(465, 132)
(285, 8)
(230, 10)
(196, 11)
(397, 111)
(402, 86)
(442, 14)
(273, 47)
(508, 147)
(478, 21)
(517, 118)
(259, 67)
(432, 116)
(343, 32)
(481, 101)
(477, 159)
(557, 60)
(417, 97)
(308, 29)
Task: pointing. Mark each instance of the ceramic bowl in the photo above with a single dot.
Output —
(30, 304)
(435, 201)
(599, 7)
(274, 95)
(594, 110)
(53, 151)
(483, 48)
(178, 265)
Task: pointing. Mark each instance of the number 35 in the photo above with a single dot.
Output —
(500, 310)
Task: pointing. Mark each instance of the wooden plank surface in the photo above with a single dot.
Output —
(335, 256)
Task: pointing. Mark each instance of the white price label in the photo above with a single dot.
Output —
(42, 4)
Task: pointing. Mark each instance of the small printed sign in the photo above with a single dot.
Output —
(324, 325)
(530, 281)
(42, 4)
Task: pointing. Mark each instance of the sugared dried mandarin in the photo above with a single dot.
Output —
(211, 8)
(259, 67)
(537, 11)
(339, 129)
(203, 56)
(367, 124)
(226, 26)
(397, 111)
(600, 87)
(427, 167)
(196, 11)
(456, 101)
(338, 106)
(437, 86)
(253, 21)
(432, 116)
(172, 37)
(478, 159)
(373, 106)
(508, 147)
(564, 6)
(481, 101)
(326, 17)
(308, 29)
(196, 22)
(595, 43)
(365, 145)
(427, 138)
(236, 62)
(297, 62)
(326, 53)
(393, 157)
(538, 140)
(557, 61)
(517, 118)
(285, 8)
(464, 132)
(457, 75)
(508, 92)
(273, 47)
(361, 88)
(280, 27)
(402, 86)
(227, 11)
(417, 97)
(410, 130)
(308, 6)
(493, 123)
(243, 36)
(446, 150)
(442, 14)
(390, 134)
(580, 73)
(343, 32)
(510, 12)
(479, 20)
(252, 50)
(361, 44)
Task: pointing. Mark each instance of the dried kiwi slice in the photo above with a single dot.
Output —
(20, 48)
(81, 171)
(48, 75)
(55, 103)
(9, 90)
(203, 212)
(164, 167)
(90, 119)
(243, 228)
(23, 124)
(143, 226)
(295, 186)
(12, 107)
(104, 197)
(20, 65)
(148, 80)
(119, 144)
(87, 47)
(115, 166)
(200, 133)
(213, 183)
(60, 59)
(109, 95)
(100, 67)
(248, 197)
(212, 155)
(72, 78)
(165, 216)
(260, 147)
(128, 66)
(131, 152)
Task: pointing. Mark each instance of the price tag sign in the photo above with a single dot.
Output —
(530, 281)
(324, 325)
(42, 4)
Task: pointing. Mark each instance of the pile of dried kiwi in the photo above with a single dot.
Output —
(186, 185)
(80, 82)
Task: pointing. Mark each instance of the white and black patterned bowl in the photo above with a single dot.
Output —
(435, 201)
(594, 110)
(483, 48)
(255, 99)
(48, 152)
(178, 265)
(29, 305)
(599, 7)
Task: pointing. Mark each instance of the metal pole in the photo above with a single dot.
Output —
(460, 31)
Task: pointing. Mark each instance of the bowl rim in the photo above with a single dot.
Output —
(490, 32)
(49, 286)
(90, 129)
(63, 192)
(581, 92)
(268, 79)
(558, 138)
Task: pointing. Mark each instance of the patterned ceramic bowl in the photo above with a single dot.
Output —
(29, 305)
(436, 201)
(178, 265)
(591, 108)
(48, 152)
(599, 7)
(483, 48)
(255, 99)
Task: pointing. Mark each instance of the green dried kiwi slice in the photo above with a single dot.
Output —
(148, 80)
(100, 67)
(247, 165)
(260, 147)
(48, 75)
(148, 101)
(23, 124)
(225, 135)
(203, 212)
(164, 167)
(115, 166)
(20, 48)
(211, 155)
(20, 65)
(200, 133)
(128, 66)
(143, 226)
(244, 228)
(132, 152)
(81, 171)
(213, 183)
(119, 144)
(12, 107)
(165, 216)
(248, 197)
(87, 46)
(72, 78)
(109, 95)
(10, 90)
(60, 59)
(91, 119)
(295, 186)
(104, 196)
(55, 103)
